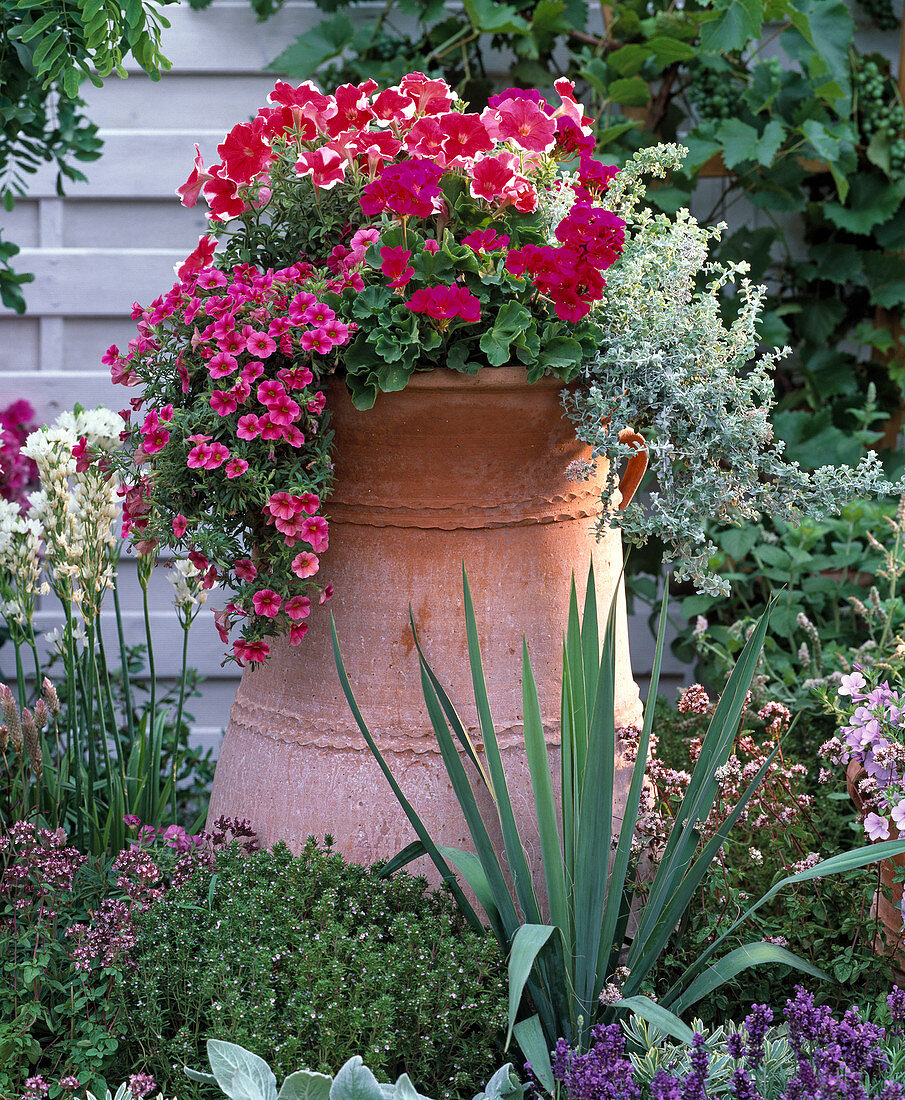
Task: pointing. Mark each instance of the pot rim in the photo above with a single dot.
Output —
(487, 380)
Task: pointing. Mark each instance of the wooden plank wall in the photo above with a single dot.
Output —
(116, 239)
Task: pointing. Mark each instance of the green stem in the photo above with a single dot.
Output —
(124, 661)
(185, 656)
(73, 738)
(109, 702)
(143, 579)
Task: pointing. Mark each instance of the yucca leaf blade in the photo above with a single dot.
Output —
(595, 818)
(527, 944)
(545, 807)
(467, 803)
(646, 951)
(512, 842)
(455, 722)
(701, 791)
(446, 872)
(742, 958)
(530, 1037)
(609, 947)
(834, 865)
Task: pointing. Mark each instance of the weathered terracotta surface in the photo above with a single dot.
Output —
(452, 469)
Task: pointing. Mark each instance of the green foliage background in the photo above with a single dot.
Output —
(47, 48)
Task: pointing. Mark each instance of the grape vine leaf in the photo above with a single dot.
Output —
(872, 201)
(739, 141)
(827, 26)
(886, 278)
(769, 142)
(491, 18)
(736, 22)
(311, 49)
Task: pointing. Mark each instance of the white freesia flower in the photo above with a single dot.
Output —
(188, 595)
(77, 508)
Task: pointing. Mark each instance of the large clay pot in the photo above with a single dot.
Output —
(890, 938)
(453, 469)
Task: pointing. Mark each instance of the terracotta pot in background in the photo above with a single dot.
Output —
(453, 469)
(890, 938)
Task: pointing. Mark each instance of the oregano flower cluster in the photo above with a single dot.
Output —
(226, 444)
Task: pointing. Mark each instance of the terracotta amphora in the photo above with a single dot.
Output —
(455, 469)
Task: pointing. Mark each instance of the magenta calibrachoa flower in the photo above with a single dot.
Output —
(231, 412)
(461, 238)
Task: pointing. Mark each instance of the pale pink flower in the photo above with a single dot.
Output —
(305, 564)
(876, 827)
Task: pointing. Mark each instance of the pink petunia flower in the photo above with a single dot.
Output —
(221, 364)
(179, 525)
(325, 166)
(271, 390)
(282, 505)
(305, 564)
(316, 340)
(249, 427)
(293, 436)
(259, 343)
(267, 603)
(250, 651)
(299, 607)
(235, 467)
(223, 404)
(315, 533)
(297, 378)
(198, 456)
(296, 632)
(245, 569)
(155, 440)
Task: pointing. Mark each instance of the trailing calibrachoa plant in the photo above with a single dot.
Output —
(229, 447)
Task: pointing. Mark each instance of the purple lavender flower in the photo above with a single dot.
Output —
(601, 1074)
(757, 1024)
(735, 1045)
(896, 1002)
(741, 1087)
(665, 1087)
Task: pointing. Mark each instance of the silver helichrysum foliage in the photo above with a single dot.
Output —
(670, 367)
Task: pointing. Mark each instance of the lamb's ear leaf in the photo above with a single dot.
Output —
(354, 1081)
(241, 1074)
(305, 1084)
(197, 1075)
